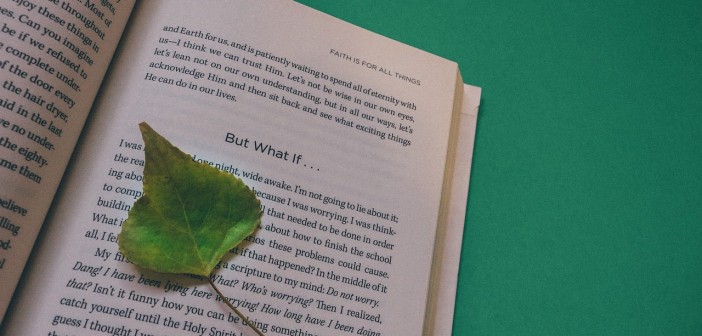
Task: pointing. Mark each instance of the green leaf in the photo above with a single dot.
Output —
(190, 215)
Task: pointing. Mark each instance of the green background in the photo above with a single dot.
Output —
(585, 210)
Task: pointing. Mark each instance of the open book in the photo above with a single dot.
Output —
(359, 148)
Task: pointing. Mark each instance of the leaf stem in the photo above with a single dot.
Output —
(226, 300)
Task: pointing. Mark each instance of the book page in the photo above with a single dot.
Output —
(53, 55)
(343, 135)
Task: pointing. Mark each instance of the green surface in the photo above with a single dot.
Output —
(585, 210)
